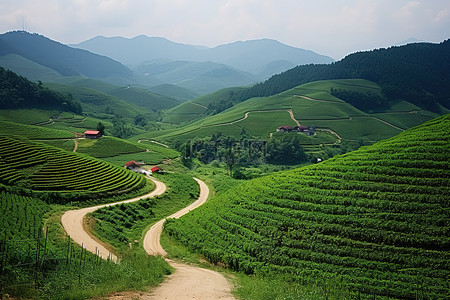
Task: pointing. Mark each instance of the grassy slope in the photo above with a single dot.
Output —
(196, 108)
(117, 151)
(53, 119)
(98, 102)
(72, 176)
(375, 220)
(330, 112)
(134, 95)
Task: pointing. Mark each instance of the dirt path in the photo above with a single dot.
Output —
(202, 106)
(317, 100)
(72, 222)
(291, 114)
(152, 141)
(188, 282)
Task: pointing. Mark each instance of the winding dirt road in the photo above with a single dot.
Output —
(188, 282)
(72, 222)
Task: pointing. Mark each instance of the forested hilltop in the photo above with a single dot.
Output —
(18, 92)
(418, 73)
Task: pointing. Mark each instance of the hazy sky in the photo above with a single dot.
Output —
(329, 27)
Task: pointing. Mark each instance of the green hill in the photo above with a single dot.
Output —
(18, 92)
(374, 221)
(199, 107)
(44, 168)
(175, 92)
(97, 103)
(311, 104)
(33, 132)
(63, 59)
(416, 73)
(141, 97)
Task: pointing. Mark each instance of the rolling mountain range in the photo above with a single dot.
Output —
(156, 61)
(262, 58)
(63, 59)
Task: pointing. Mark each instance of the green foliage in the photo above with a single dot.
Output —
(18, 92)
(375, 220)
(21, 216)
(60, 269)
(364, 101)
(59, 175)
(124, 223)
(199, 107)
(285, 150)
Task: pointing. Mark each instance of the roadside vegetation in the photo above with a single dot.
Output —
(124, 226)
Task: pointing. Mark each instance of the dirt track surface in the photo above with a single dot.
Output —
(188, 282)
(72, 222)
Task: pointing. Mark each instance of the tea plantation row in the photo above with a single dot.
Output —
(377, 220)
(41, 167)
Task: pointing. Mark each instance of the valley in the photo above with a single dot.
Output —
(185, 171)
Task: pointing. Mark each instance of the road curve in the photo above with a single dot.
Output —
(152, 244)
(188, 282)
(72, 221)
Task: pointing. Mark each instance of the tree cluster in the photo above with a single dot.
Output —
(18, 92)
(364, 101)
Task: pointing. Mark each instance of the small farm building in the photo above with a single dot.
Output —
(132, 165)
(305, 129)
(285, 128)
(92, 134)
(155, 169)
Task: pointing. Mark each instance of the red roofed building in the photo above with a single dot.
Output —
(92, 134)
(154, 169)
(131, 165)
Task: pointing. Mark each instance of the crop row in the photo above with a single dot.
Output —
(20, 215)
(378, 225)
(109, 146)
(44, 167)
(32, 132)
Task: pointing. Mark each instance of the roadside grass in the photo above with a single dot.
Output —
(121, 225)
(136, 271)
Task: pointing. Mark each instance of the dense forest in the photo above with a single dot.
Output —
(418, 73)
(18, 92)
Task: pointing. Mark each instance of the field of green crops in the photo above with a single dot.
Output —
(108, 146)
(376, 220)
(312, 105)
(33, 132)
(44, 168)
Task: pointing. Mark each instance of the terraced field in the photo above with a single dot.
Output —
(41, 167)
(375, 221)
(311, 104)
(33, 132)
